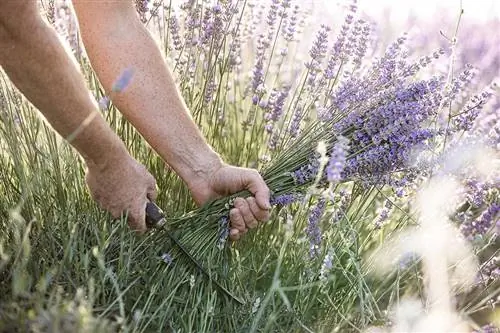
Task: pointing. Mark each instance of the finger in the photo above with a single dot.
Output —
(234, 234)
(257, 186)
(237, 221)
(137, 218)
(242, 205)
(152, 190)
(260, 214)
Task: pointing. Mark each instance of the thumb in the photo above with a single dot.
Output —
(258, 187)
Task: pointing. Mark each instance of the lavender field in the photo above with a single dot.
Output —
(377, 132)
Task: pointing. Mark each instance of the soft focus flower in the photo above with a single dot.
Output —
(337, 160)
(123, 80)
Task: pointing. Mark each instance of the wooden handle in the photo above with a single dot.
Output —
(155, 217)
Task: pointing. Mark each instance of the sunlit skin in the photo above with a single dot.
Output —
(114, 38)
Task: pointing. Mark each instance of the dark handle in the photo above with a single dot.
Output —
(155, 217)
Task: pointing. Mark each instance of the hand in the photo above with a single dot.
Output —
(225, 180)
(122, 185)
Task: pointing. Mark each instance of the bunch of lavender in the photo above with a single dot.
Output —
(381, 135)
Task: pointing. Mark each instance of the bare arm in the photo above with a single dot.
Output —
(37, 63)
(115, 39)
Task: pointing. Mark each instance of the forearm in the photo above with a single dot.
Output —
(43, 71)
(115, 39)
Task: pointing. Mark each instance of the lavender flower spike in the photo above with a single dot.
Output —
(313, 229)
(337, 160)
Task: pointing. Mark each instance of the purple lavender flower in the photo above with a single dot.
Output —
(337, 160)
(307, 172)
(274, 139)
(341, 206)
(382, 139)
(313, 229)
(276, 104)
(482, 224)
(123, 80)
(407, 260)
(326, 266)
(338, 52)
(285, 199)
(273, 13)
(294, 127)
(383, 214)
(476, 192)
(489, 271)
(209, 92)
(142, 9)
(362, 45)
(223, 232)
(320, 44)
(290, 25)
(464, 120)
(175, 32)
(490, 328)
(317, 52)
(167, 258)
(258, 70)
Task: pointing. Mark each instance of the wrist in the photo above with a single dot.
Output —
(201, 169)
(113, 153)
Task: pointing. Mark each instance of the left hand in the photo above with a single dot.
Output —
(226, 180)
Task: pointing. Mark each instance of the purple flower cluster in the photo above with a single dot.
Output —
(274, 112)
(212, 27)
(337, 160)
(383, 139)
(339, 52)
(383, 214)
(313, 229)
(223, 232)
(275, 105)
(285, 199)
(318, 53)
(489, 271)
(464, 120)
(477, 192)
(306, 172)
(290, 25)
(175, 32)
(342, 201)
(490, 328)
(472, 228)
(142, 9)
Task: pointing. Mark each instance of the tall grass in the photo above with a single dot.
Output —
(66, 266)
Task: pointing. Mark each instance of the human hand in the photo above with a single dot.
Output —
(121, 185)
(225, 180)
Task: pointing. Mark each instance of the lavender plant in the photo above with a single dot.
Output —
(334, 123)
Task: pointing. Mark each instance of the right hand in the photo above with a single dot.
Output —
(121, 185)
